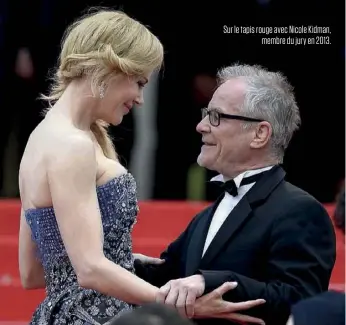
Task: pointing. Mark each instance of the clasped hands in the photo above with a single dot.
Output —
(186, 295)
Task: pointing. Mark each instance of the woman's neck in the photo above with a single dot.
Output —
(77, 104)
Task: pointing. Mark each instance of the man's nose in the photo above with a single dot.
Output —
(203, 126)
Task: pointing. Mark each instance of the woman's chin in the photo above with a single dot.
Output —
(116, 120)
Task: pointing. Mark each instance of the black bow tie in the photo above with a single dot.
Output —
(231, 187)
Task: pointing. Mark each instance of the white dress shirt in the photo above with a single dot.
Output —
(228, 203)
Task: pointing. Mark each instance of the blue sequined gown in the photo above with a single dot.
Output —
(66, 302)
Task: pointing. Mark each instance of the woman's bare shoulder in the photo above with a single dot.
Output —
(59, 138)
(54, 154)
(51, 147)
(71, 147)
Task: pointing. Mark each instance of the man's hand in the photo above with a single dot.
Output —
(182, 294)
(213, 306)
(147, 259)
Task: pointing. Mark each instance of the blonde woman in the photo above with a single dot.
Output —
(78, 202)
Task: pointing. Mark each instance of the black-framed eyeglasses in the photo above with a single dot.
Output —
(215, 117)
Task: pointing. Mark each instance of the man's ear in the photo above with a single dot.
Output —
(261, 135)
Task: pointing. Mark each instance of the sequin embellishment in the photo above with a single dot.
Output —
(66, 302)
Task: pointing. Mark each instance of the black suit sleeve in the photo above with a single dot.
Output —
(301, 258)
(159, 275)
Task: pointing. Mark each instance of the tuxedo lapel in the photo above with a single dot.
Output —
(196, 244)
(257, 195)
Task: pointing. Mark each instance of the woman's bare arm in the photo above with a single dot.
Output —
(72, 177)
(30, 268)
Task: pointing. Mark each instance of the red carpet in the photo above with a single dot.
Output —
(158, 224)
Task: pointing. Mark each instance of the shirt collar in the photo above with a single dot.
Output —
(240, 177)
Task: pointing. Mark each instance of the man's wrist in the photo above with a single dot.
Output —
(214, 279)
(199, 278)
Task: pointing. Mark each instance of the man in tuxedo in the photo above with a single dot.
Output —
(272, 238)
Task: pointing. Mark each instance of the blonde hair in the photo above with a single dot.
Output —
(100, 45)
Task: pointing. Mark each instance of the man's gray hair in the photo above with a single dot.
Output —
(268, 96)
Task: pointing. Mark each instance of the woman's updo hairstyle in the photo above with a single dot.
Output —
(100, 45)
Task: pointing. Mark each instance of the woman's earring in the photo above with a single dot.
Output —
(102, 90)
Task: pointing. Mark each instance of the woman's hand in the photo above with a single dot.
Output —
(212, 305)
(148, 259)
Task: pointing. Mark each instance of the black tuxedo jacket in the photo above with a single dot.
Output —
(278, 243)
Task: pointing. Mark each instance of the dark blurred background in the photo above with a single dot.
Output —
(195, 46)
